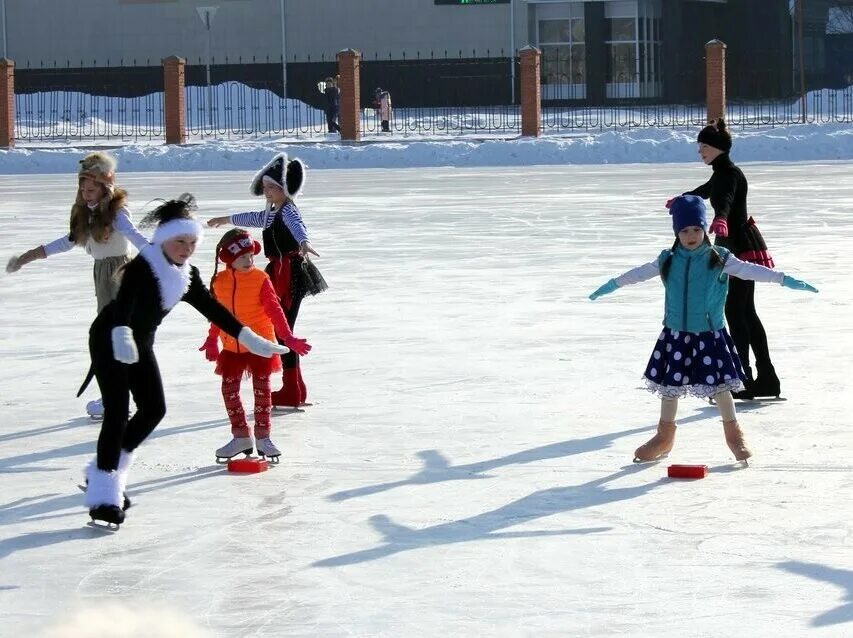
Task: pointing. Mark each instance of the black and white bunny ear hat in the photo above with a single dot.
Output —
(294, 178)
(289, 175)
(273, 171)
(174, 218)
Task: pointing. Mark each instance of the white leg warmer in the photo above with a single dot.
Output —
(125, 460)
(668, 410)
(726, 406)
(103, 489)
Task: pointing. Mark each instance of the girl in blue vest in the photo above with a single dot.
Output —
(694, 353)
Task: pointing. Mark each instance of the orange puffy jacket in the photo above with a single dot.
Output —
(251, 298)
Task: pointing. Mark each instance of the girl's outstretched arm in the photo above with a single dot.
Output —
(126, 227)
(633, 276)
(755, 272)
(16, 262)
(273, 310)
(259, 219)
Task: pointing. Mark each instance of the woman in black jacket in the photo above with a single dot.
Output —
(736, 230)
(121, 344)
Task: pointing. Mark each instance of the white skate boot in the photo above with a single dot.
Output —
(95, 409)
(268, 449)
(242, 445)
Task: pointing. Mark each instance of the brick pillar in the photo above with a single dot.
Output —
(715, 79)
(531, 92)
(7, 103)
(349, 65)
(174, 100)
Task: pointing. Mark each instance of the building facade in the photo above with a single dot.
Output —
(427, 52)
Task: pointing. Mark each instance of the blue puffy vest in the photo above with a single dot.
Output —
(695, 293)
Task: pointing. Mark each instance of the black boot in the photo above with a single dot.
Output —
(108, 514)
(766, 383)
(746, 394)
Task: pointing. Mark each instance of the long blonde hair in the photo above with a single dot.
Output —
(97, 223)
(100, 167)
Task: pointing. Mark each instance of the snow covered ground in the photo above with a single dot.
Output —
(465, 469)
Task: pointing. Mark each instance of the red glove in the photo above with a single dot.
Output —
(719, 227)
(668, 204)
(299, 346)
(211, 344)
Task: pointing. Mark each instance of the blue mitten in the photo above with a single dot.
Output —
(606, 289)
(796, 284)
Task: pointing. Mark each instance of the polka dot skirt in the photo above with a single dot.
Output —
(702, 364)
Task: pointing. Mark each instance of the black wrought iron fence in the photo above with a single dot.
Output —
(465, 93)
(444, 93)
(67, 103)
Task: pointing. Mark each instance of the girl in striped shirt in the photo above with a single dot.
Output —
(287, 246)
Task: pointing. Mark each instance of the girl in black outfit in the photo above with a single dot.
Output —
(121, 344)
(736, 230)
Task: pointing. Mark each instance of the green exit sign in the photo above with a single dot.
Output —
(472, 1)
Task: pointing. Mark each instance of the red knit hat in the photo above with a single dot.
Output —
(240, 244)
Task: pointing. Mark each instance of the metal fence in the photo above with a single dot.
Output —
(432, 96)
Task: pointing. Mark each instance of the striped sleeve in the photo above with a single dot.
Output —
(260, 219)
(293, 220)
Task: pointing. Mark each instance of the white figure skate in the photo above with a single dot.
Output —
(242, 445)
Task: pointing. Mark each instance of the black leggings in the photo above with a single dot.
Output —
(117, 382)
(744, 324)
(291, 359)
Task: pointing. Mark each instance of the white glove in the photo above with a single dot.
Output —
(258, 345)
(124, 347)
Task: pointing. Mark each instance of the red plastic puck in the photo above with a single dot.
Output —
(687, 471)
(248, 465)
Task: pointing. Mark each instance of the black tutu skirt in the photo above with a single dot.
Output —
(306, 278)
(700, 364)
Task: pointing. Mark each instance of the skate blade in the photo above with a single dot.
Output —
(639, 461)
(273, 460)
(287, 408)
(96, 417)
(223, 460)
(103, 526)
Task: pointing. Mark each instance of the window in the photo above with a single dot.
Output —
(560, 37)
(633, 48)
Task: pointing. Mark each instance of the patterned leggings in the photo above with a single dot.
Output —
(234, 406)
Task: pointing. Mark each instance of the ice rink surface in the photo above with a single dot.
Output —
(465, 469)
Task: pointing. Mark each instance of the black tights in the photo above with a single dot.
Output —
(744, 324)
(117, 382)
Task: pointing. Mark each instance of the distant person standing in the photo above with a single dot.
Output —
(333, 104)
(382, 104)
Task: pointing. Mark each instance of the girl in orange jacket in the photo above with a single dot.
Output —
(249, 294)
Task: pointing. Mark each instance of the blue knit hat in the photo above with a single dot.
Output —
(688, 210)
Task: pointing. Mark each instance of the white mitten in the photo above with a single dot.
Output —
(258, 345)
(124, 347)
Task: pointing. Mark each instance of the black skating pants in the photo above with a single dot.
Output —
(744, 325)
(291, 359)
(118, 381)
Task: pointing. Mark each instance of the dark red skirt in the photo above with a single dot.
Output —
(235, 364)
